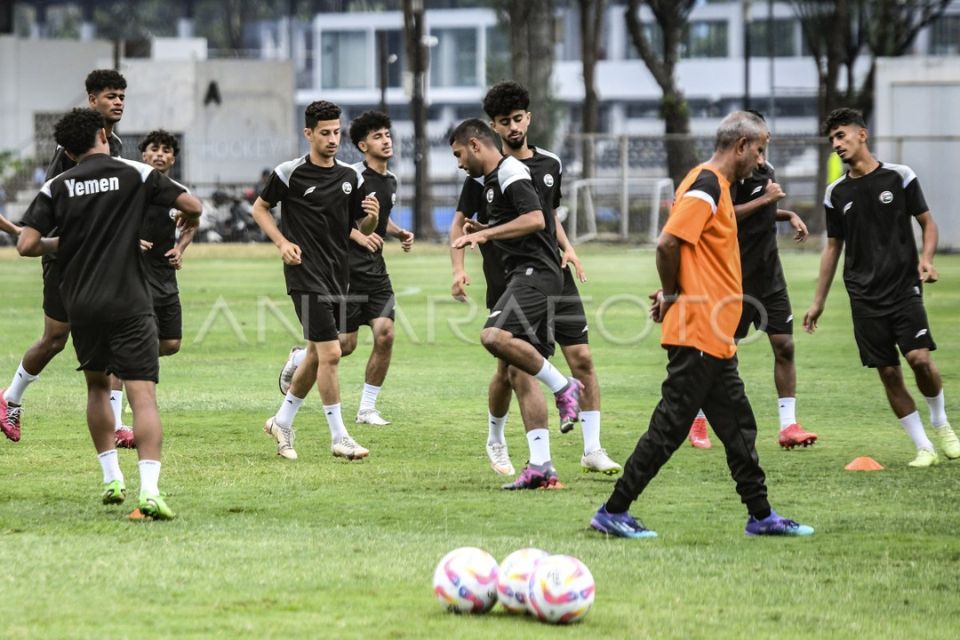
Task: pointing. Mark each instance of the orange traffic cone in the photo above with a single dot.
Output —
(864, 463)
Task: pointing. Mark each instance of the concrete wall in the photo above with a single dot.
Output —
(42, 75)
(253, 126)
(917, 123)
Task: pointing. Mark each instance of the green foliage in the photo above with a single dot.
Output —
(326, 548)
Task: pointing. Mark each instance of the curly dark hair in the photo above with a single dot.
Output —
(76, 132)
(101, 79)
(842, 117)
(366, 122)
(320, 111)
(504, 97)
(473, 128)
(160, 137)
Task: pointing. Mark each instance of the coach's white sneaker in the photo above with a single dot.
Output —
(283, 436)
(597, 461)
(286, 374)
(347, 447)
(371, 416)
(500, 459)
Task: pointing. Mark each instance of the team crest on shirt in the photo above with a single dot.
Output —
(886, 197)
(548, 180)
(489, 195)
(173, 214)
(393, 198)
(347, 187)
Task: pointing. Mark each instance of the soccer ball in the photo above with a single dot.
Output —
(514, 578)
(465, 581)
(561, 590)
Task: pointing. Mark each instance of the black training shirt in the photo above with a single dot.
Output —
(368, 271)
(470, 205)
(757, 236)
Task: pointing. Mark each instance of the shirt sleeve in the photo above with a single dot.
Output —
(834, 221)
(40, 213)
(356, 199)
(694, 208)
(471, 194)
(916, 203)
(556, 191)
(162, 190)
(523, 196)
(274, 191)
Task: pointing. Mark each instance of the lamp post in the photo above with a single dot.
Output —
(746, 6)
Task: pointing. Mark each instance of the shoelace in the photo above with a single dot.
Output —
(13, 415)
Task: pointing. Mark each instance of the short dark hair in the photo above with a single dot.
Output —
(473, 128)
(320, 111)
(756, 113)
(504, 97)
(366, 122)
(160, 137)
(101, 79)
(842, 117)
(76, 132)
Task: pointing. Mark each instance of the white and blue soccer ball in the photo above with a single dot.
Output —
(514, 578)
(465, 581)
(561, 590)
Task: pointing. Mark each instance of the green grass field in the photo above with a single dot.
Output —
(324, 548)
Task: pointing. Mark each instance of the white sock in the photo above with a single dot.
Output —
(335, 421)
(495, 429)
(590, 425)
(788, 412)
(368, 400)
(21, 380)
(110, 464)
(551, 376)
(539, 441)
(298, 356)
(288, 410)
(938, 414)
(149, 477)
(116, 403)
(701, 415)
(913, 425)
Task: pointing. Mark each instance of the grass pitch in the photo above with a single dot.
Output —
(324, 548)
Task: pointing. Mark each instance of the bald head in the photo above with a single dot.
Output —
(740, 125)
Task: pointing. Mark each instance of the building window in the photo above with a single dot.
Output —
(395, 47)
(945, 36)
(784, 39)
(498, 55)
(453, 62)
(344, 60)
(705, 39)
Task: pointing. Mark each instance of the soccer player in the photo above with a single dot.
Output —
(322, 201)
(163, 252)
(371, 300)
(518, 330)
(106, 91)
(699, 306)
(869, 218)
(766, 304)
(506, 103)
(97, 210)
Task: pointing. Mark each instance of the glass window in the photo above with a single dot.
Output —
(784, 40)
(705, 39)
(395, 47)
(498, 55)
(453, 61)
(344, 60)
(945, 36)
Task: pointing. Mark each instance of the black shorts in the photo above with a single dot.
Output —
(169, 319)
(364, 306)
(127, 348)
(907, 328)
(524, 310)
(52, 301)
(569, 316)
(321, 315)
(771, 314)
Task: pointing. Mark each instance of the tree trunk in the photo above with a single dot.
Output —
(531, 25)
(413, 15)
(591, 26)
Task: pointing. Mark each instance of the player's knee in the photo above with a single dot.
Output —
(919, 360)
(581, 363)
(890, 377)
(491, 339)
(783, 349)
(54, 342)
(169, 347)
(348, 344)
(383, 338)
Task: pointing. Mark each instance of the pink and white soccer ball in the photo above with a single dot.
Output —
(465, 581)
(561, 590)
(514, 578)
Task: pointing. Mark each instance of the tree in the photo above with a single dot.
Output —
(530, 24)
(671, 18)
(416, 50)
(591, 28)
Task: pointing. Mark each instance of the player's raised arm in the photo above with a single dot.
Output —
(371, 207)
